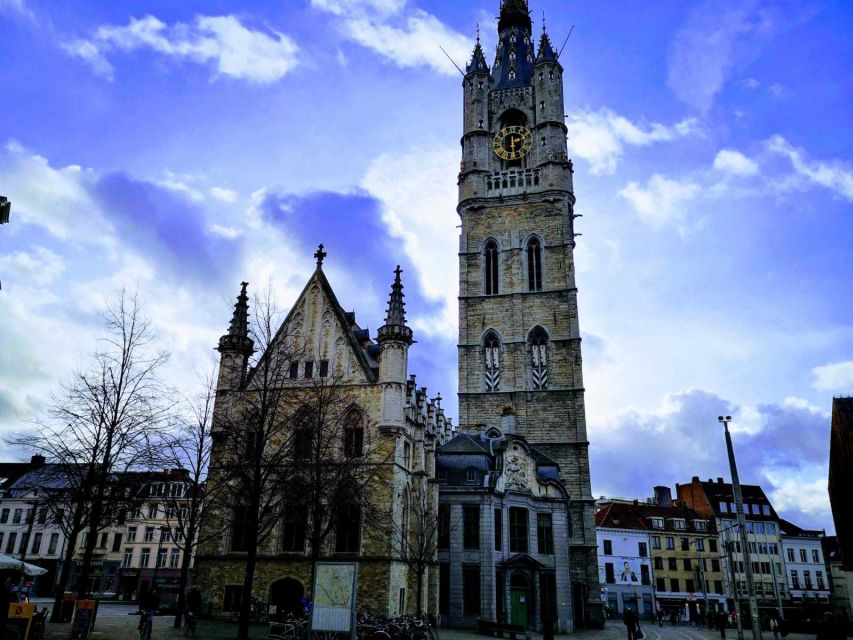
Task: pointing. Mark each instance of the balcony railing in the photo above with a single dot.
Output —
(512, 182)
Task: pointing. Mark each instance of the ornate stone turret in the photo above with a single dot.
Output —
(235, 346)
(394, 339)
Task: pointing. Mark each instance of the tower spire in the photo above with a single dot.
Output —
(546, 50)
(478, 58)
(239, 326)
(395, 318)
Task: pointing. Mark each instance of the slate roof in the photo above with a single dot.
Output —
(621, 515)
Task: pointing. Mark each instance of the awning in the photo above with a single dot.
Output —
(8, 562)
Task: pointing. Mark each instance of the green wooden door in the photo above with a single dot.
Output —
(518, 606)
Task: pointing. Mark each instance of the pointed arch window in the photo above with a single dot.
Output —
(534, 264)
(492, 361)
(539, 357)
(490, 262)
(303, 436)
(353, 435)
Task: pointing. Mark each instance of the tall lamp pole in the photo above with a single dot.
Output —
(741, 525)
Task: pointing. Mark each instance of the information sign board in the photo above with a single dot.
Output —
(334, 592)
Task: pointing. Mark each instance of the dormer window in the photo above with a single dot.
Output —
(442, 476)
(678, 523)
(657, 523)
(471, 476)
(700, 525)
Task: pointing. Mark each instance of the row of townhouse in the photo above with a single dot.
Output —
(684, 555)
(142, 547)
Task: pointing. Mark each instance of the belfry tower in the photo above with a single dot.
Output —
(519, 340)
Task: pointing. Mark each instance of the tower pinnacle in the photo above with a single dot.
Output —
(395, 318)
(478, 58)
(240, 319)
(237, 339)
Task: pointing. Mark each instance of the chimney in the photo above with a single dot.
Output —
(695, 479)
(508, 420)
(663, 496)
(719, 480)
(37, 461)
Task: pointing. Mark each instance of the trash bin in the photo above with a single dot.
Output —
(547, 628)
(67, 610)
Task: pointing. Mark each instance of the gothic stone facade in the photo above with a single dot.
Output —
(404, 426)
(519, 338)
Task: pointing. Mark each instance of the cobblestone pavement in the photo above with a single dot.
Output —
(118, 622)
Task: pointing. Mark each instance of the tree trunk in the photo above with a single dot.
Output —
(182, 587)
(420, 590)
(248, 580)
(64, 572)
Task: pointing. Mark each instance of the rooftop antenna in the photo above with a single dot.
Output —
(451, 60)
(565, 41)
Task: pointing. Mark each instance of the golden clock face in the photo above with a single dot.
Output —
(512, 143)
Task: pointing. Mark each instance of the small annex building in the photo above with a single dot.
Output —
(503, 547)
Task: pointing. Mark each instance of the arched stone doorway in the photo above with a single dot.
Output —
(285, 594)
(520, 606)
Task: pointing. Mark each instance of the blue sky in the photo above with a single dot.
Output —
(184, 147)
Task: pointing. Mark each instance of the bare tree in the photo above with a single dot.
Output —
(188, 449)
(99, 430)
(417, 534)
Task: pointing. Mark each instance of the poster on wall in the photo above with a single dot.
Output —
(629, 572)
(334, 592)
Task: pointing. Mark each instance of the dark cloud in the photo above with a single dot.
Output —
(166, 226)
(353, 232)
(684, 439)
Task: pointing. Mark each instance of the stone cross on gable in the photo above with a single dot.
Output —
(320, 254)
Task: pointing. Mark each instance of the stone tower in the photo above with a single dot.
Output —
(519, 341)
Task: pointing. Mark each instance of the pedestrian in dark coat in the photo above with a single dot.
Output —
(631, 620)
(722, 623)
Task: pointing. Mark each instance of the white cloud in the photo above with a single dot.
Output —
(662, 200)
(405, 37)
(56, 199)
(834, 175)
(226, 195)
(806, 492)
(418, 196)
(708, 47)
(238, 52)
(342, 7)
(39, 267)
(735, 162)
(600, 137)
(837, 376)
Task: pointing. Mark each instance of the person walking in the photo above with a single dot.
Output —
(722, 623)
(660, 617)
(631, 620)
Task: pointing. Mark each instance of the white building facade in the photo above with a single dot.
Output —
(805, 566)
(625, 570)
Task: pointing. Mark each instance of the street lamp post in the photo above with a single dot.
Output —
(735, 590)
(741, 525)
